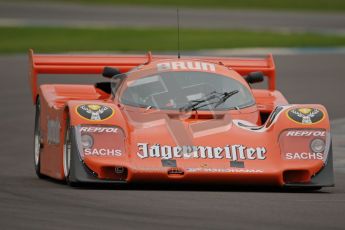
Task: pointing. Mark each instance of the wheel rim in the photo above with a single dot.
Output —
(67, 153)
(37, 147)
(37, 137)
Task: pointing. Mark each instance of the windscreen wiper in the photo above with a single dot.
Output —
(193, 103)
(213, 98)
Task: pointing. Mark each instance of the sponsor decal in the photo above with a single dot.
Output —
(94, 112)
(303, 156)
(305, 116)
(53, 132)
(103, 152)
(152, 169)
(237, 164)
(274, 116)
(169, 163)
(209, 170)
(306, 133)
(224, 170)
(187, 65)
(96, 129)
(232, 152)
(204, 165)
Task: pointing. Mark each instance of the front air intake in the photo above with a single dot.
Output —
(116, 173)
(175, 172)
(296, 176)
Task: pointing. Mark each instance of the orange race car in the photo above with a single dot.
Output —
(176, 120)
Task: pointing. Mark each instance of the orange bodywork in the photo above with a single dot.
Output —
(266, 156)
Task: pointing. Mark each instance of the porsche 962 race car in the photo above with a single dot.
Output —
(177, 120)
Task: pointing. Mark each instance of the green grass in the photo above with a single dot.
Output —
(305, 5)
(20, 39)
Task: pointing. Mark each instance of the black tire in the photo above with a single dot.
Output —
(312, 189)
(67, 151)
(303, 189)
(37, 140)
(68, 157)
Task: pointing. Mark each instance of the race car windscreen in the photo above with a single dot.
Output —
(175, 90)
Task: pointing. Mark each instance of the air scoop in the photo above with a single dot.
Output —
(173, 172)
(196, 115)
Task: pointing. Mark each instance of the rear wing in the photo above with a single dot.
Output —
(94, 64)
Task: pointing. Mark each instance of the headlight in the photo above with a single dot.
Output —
(304, 144)
(86, 141)
(317, 145)
(100, 141)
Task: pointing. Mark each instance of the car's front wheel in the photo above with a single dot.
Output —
(67, 147)
(38, 140)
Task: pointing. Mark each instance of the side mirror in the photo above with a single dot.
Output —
(109, 72)
(254, 77)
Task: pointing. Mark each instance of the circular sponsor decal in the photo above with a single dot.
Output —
(305, 116)
(94, 112)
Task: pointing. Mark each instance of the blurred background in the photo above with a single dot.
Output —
(141, 25)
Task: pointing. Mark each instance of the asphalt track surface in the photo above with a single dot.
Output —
(43, 14)
(27, 202)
